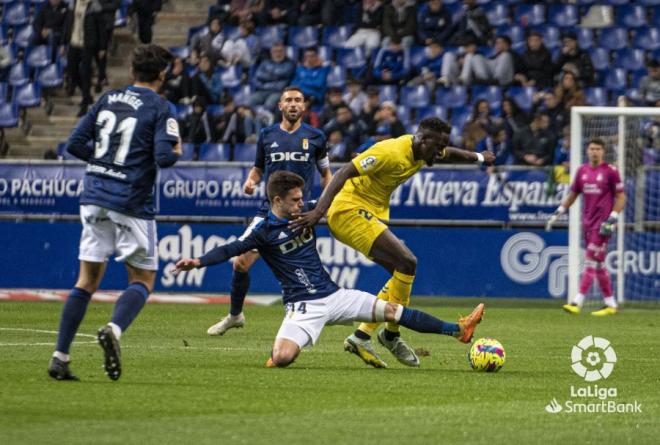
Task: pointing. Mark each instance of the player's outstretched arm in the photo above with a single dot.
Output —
(453, 155)
(78, 143)
(309, 219)
(220, 254)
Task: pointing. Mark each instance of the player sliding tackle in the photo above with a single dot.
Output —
(357, 202)
(312, 299)
(603, 200)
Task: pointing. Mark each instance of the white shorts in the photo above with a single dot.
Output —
(106, 232)
(305, 320)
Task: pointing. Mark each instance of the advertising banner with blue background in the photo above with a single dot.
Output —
(451, 261)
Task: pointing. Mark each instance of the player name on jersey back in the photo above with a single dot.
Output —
(127, 97)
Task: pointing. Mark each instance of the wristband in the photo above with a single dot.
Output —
(480, 158)
(561, 210)
(614, 214)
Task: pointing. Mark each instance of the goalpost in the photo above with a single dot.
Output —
(632, 140)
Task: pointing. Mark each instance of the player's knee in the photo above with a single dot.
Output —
(407, 263)
(283, 358)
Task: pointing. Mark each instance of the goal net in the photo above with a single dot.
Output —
(632, 137)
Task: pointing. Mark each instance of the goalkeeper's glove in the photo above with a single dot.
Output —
(554, 217)
(607, 227)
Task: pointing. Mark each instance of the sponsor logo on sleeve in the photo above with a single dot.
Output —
(368, 162)
(172, 127)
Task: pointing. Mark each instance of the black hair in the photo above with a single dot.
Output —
(293, 88)
(435, 124)
(149, 61)
(281, 182)
(597, 141)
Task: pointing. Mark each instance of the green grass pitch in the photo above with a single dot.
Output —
(217, 390)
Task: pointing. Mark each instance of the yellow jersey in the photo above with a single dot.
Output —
(383, 167)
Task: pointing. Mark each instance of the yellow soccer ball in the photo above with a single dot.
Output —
(486, 354)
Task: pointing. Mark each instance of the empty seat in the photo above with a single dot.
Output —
(387, 93)
(187, 152)
(245, 152)
(529, 15)
(51, 76)
(631, 16)
(303, 36)
(336, 36)
(8, 115)
(23, 36)
(596, 96)
(585, 37)
(268, 35)
(551, 37)
(491, 93)
(18, 75)
(38, 56)
(242, 95)
(336, 77)
(460, 116)
(600, 58)
(231, 76)
(647, 38)
(451, 97)
(431, 111)
(616, 79)
(614, 38)
(563, 15)
(403, 113)
(632, 59)
(351, 57)
(16, 14)
(522, 96)
(497, 13)
(28, 96)
(214, 152)
(415, 97)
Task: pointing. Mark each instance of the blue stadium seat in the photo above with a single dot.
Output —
(600, 58)
(516, 34)
(291, 52)
(38, 56)
(242, 95)
(351, 57)
(451, 97)
(632, 59)
(631, 16)
(51, 76)
(563, 15)
(18, 75)
(16, 14)
(387, 93)
(498, 13)
(303, 36)
(183, 111)
(231, 76)
(551, 37)
(231, 32)
(28, 96)
(336, 77)
(637, 77)
(431, 111)
(3, 92)
(215, 152)
(180, 51)
(121, 16)
(616, 79)
(336, 36)
(415, 97)
(8, 115)
(633, 95)
(647, 38)
(596, 96)
(270, 34)
(460, 116)
(649, 2)
(403, 113)
(326, 53)
(523, 96)
(417, 56)
(614, 38)
(214, 110)
(23, 36)
(188, 152)
(491, 93)
(585, 38)
(529, 15)
(245, 152)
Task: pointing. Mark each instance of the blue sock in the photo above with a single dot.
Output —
(425, 323)
(240, 283)
(72, 314)
(129, 304)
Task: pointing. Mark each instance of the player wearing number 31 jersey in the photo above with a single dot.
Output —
(125, 137)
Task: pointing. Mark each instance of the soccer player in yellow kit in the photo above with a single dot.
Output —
(357, 205)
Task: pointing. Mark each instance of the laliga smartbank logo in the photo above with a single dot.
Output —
(593, 359)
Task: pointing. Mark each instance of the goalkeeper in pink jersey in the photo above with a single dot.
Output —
(602, 200)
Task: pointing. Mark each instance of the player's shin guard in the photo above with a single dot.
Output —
(72, 314)
(422, 322)
(587, 277)
(400, 294)
(605, 284)
(240, 284)
(369, 328)
(129, 305)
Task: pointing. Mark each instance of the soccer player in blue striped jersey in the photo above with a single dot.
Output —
(124, 138)
(289, 145)
(311, 298)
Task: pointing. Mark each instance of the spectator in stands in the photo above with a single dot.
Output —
(332, 13)
(311, 117)
(399, 23)
(278, 12)
(355, 97)
(454, 63)
(242, 126)
(434, 23)
(370, 107)
(481, 124)
(242, 10)
(333, 101)
(209, 44)
(311, 76)
(471, 25)
(498, 143)
(49, 24)
(351, 129)
(86, 37)
(428, 70)
(369, 22)
(533, 145)
(392, 64)
(176, 87)
(649, 86)
(547, 102)
(568, 92)
(535, 64)
(243, 48)
(337, 151)
(271, 77)
(106, 21)
(207, 83)
(310, 12)
(6, 61)
(515, 119)
(386, 122)
(196, 127)
(496, 69)
(574, 59)
(146, 11)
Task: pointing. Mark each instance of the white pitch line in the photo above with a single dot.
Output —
(42, 331)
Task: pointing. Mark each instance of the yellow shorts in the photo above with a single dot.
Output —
(354, 225)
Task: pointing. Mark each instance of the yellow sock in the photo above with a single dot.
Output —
(369, 328)
(400, 287)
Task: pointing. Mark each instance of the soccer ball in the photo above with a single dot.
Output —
(486, 354)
